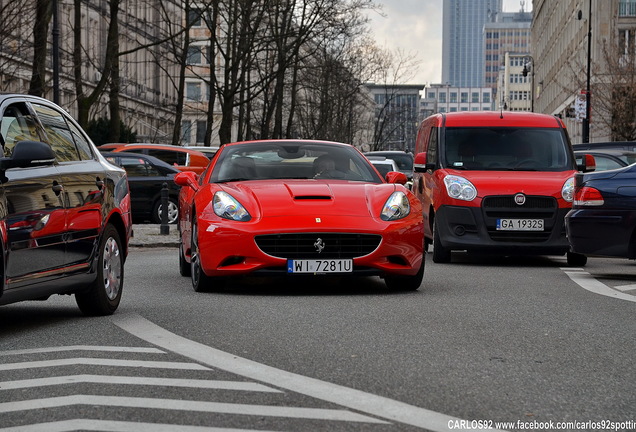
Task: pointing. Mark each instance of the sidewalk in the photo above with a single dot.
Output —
(149, 235)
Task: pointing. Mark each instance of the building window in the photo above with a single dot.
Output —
(195, 55)
(186, 128)
(193, 91)
(627, 8)
(453, 97)
(475, 97)
(486, 97)
(442, 97)
(464, 97)
(195, 17)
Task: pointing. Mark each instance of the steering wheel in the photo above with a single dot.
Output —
(330, 174)
(530, 162)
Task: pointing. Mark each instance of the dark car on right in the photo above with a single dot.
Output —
(603, 216)
(146, 177)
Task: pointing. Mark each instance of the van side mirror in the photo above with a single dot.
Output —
(588, 163)
(28, 154)
(421, 164)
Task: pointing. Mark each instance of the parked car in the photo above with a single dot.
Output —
(606, 159)
(403, 160)
(209, 151)
(298, 208)
(495, 182)
(64, 210)
(383, 165)
(606, 145)
(146, 177)
(182, 158)
(603, 217)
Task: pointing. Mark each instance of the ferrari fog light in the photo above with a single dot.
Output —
(460, 188)
(227, 207)
(396, 207)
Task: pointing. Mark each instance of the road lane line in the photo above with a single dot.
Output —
(145, 350)
(588, 282)
(116, 426)
(131, 380)
(102, 362)
(355, 399)
(629, 287)
(188, 405)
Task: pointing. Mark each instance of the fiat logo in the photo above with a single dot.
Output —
(319, 245)
(520, 199)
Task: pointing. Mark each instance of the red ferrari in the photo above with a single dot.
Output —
(297, 208)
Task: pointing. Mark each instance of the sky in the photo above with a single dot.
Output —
(415, 27)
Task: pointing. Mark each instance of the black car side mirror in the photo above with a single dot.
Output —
(27, 154)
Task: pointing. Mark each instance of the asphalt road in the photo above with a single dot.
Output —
(485, 340)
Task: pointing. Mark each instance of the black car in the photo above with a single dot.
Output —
(64, 210)
(146, 177)
(603, 215)
(606, 159)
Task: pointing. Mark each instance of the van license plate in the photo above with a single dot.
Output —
(320, 266)
(519, 224)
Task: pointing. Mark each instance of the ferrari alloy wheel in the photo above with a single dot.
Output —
(104, 294)
(200, 281)
(440, 253)
(184, 266)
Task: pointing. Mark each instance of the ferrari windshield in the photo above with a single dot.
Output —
(502, 149)
(291, 160)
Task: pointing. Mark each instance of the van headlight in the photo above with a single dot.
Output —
(567, 191)
(396, 207)
(460, 188)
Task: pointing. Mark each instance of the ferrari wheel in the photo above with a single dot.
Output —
(406, 283)
(184, 266)
(200, 281)
(103, 295)
(440, 253)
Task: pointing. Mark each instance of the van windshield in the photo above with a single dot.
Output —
(506, 149)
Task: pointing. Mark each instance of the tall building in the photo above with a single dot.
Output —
(463, 40)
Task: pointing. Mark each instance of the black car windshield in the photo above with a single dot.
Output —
(291, 160)
(506, 149)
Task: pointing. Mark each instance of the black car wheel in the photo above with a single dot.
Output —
(200, 281)
(576, 260)
(173, 211)
(407, 283)
(103, 295)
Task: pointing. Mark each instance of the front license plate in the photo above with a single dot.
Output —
(520, 224)
(320, 266)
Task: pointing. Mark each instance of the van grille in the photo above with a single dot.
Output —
(302, 246)
(504, 207)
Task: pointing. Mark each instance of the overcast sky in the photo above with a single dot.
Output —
(415, 27)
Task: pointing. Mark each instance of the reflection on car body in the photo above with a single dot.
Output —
(65, 210)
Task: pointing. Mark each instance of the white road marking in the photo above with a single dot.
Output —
(131, 380)
(188, 405)
(355, 399)
(588, 282)
(149, 350)
(116, 426)
(629, 287)
(102, 362)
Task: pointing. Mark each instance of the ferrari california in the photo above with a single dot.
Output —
(297, 208)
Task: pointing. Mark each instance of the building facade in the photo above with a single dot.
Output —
(452, 99)
(463, 40)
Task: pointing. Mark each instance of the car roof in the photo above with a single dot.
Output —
(500, 119)
(159, 147)
(624, 145)
(608, 151)
(289, 141)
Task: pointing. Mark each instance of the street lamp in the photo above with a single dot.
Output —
(586, 120)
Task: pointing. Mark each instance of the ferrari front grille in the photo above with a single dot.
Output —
(318, 245)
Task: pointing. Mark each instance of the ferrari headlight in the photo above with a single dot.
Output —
(396, 207)
(567, 191)
(460, 188)
(227, 207)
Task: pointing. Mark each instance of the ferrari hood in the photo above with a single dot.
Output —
(301, 197)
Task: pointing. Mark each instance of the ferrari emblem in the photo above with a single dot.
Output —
(319, 245)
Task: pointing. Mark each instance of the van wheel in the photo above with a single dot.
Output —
(440, 253)
(576, 260)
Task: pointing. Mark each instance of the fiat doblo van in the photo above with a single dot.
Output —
(495, 182)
